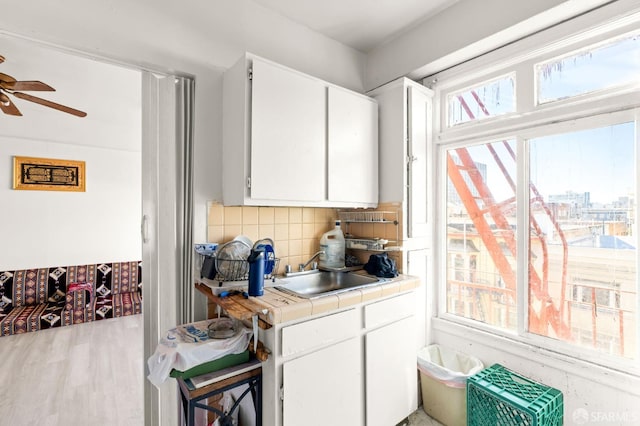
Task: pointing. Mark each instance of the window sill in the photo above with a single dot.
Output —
(626, 381)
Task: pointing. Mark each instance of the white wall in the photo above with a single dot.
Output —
(467, 29)
(201, 38)
(50, 228)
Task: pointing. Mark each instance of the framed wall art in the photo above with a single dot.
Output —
(47, 174)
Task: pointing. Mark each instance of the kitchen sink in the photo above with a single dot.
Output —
(324, 283)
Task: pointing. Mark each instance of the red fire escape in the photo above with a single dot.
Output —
(543, 312)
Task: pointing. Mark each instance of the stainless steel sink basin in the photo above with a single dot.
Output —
(323, 283)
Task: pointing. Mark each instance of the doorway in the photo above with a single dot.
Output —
(164, 192)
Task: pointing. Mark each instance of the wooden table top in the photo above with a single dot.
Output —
(238, 307)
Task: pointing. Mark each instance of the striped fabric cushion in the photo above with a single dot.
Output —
(42, 298)
(79, 307)
(22, 319)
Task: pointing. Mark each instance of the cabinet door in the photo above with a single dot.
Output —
(324, 387)
(392, 106)
(391, 373)
(352, 147)
(418, 117)
(288, 135)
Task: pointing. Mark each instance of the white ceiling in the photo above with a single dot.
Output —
(361, 24)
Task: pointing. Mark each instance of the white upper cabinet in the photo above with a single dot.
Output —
(291, 139)
(352, 147)
(288, 135)
(405, 142)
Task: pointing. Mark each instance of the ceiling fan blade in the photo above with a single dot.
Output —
(50, 104)
(1, 59)
(7, 106)
(6, 78)
(27, 85)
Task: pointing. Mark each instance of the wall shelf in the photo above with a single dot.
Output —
(368, 217)
(374, 243)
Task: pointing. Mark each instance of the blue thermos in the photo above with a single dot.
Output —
(256, 271)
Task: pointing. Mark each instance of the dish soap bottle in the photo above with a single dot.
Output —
(332, 243)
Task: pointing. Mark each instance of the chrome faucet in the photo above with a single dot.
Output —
(302, 266)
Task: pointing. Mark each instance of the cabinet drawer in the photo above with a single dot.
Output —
(389, 310)
(319, 332)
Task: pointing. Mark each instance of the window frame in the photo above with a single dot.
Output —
(621, 104)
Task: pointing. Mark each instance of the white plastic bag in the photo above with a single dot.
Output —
(188, 345)
(448, 366)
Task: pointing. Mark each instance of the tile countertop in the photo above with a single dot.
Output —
(276, 307)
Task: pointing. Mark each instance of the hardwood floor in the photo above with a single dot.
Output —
(86, 374)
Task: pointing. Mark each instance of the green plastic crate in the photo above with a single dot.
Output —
(497, 396)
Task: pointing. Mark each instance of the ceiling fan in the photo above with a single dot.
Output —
(13, 87)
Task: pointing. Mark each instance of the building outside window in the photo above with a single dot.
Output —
(539, 170)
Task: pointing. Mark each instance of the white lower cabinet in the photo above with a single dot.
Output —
(391, 377)
(322, 371)
(324, 387)
(390, 360)
(355, 367)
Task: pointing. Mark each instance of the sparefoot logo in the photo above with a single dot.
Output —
(580, 416)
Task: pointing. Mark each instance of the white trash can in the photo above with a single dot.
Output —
(443, 379)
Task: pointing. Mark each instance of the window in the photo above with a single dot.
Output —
(582, 72)
(476, 216)
(595, 239)
(484, 100)
(541, 208)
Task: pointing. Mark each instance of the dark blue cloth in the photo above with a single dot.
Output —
(381, 265)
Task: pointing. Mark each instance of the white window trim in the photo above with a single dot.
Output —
(622, 17)
(624, 374)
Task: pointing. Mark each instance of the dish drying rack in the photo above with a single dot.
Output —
(231, 260)
(377, 216)
(365, 243)
(238, 270)
(374, 217)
